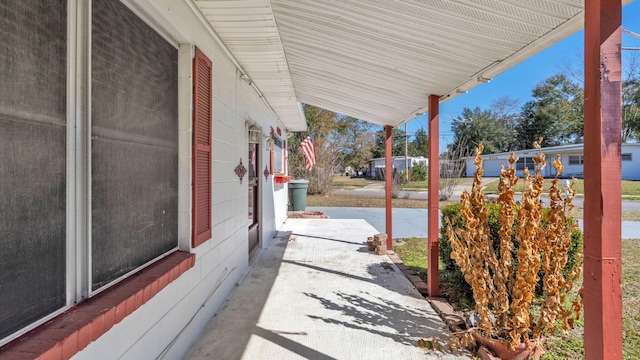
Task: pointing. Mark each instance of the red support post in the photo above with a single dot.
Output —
(602, 180)
(388, 180)
(433, 277)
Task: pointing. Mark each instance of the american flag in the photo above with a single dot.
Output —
(309, 151)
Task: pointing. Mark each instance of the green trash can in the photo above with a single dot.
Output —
(298, 194)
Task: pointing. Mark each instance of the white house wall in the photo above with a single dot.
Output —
(170, 322)
(492, 166)
(576, 170)
(493, 163)
(398, 162)
(631, 169)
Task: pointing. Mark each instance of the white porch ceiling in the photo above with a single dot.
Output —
(379, 60)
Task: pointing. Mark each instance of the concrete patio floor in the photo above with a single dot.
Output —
(316, 293)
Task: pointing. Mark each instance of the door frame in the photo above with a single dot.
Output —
(259, 185)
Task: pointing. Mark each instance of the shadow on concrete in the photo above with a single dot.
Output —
(316, 297)
(330, 239)
(300, 349)
(335, 272)
(382, 317)
(228, 333)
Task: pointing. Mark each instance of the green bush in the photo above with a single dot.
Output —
(451, 214)
(418, 171)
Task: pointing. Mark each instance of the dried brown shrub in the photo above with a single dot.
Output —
(504, 293)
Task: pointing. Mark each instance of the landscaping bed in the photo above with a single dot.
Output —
(413, 253)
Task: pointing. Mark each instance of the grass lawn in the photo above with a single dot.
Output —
(627, 215)
(631, 298)
(492, 187)
(349, 183)
(422, 185)
(413, 252)
(559, 346)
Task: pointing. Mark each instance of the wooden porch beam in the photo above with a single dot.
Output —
(602, 180)
(388, 180)
(433, 277)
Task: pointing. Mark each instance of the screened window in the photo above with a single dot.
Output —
(33, 59)
(278, 149)
(133, 151)
(626, 157)
(526, 162)
(134, 146)
(576, 160)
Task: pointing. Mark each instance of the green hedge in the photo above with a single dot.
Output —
(451, 213)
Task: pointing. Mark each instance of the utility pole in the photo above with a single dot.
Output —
(406, 151)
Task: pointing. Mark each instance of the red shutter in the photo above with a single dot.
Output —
(201, 149)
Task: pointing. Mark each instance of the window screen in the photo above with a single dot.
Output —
(32, 161)
(576, 160)
(134, 143)
(278, 155)
(525, 162)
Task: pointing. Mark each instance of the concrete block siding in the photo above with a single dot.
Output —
(168, 324)
(164, 321)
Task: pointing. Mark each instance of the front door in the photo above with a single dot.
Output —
(254, 209)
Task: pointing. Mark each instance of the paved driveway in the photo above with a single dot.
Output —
(413, 222)
(377, 189)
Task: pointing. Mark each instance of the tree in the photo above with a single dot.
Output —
(420, 144)
(555, 114)
(397, 140)
(338, 140)
(505, 107)
(452, 168)
(631, 99)
(630, 91)
(476, 126)
(506, 110)
(325, 126)
(631, 110)
(358, 141)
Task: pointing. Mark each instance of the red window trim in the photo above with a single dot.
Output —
(71, 331)
(201, 154)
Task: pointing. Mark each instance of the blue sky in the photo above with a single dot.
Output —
(518, 81)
